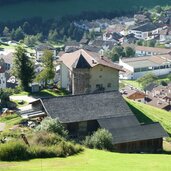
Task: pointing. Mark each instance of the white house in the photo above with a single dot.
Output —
(40, 51)
(2, 78)
(147, 51)
(139, 66)
(146, 31)
(165, 35)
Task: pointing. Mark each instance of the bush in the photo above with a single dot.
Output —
(101, 139)
(52, 125)
(13, 151)
(46, 139)
(42, 145)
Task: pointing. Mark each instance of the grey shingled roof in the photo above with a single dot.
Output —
(138, 133)
(109, 109)
(118, 122)
(87, 107)
(145, 27)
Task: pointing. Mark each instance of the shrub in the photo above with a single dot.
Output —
(101, 139)
(46, 139)
(52, 125)
(14, 151)
(38, 151)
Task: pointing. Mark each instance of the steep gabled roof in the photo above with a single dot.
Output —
(81, 63)
(92, 58)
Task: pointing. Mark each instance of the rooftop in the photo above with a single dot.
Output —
(145, 27)
(92, 58)
(148, 61)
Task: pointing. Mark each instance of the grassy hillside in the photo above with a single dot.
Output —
(94, 160)
(48, 9)
(148, 114)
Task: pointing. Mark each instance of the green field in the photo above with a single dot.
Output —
(94, 160)
(148, 114)
(68, 7)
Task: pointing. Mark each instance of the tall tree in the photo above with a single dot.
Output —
(19, 34)
(6, 32)
(48, 73)
(129, 52)
(23, 68)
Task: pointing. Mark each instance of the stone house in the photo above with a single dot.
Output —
(85, 72)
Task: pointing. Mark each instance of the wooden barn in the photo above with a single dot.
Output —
(84, 114)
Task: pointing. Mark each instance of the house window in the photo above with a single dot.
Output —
(99, 86)
(100, 76)
(109, 85)
(101, 69)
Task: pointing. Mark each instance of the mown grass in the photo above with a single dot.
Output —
(137, 85)
(10, 120)
(51, 9)
(148, 114)
(44, 93)
(133, 83)
(94, 160)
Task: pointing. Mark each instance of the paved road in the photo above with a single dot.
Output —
(2, 126)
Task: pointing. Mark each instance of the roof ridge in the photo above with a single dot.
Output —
(114, 91)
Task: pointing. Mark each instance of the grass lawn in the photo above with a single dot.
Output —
(147, 114)
(133, 83)
(137, 85)
(44, 93)
(10, 120)
(94, 160)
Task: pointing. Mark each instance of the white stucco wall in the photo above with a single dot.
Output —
(2, 80)
(156, 72)
(64, 72)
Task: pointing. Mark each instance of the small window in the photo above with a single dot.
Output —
(101, 69)
(100, 76)
(109, 85)
(99, 86)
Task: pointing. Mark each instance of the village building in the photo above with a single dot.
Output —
(137, 67)
(2, 78)
(40, 51)
(145, 31)
(83, 114)
(86, 72)
(147, 51)
(133, 94)
(6, 61)
(165, 35)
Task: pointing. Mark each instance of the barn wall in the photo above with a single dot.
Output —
(80, 129)
(151, 146)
